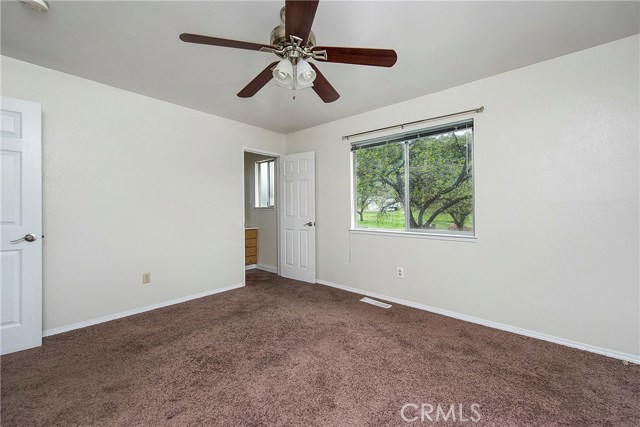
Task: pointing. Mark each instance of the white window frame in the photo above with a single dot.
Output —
(408, 232)
(271, 178)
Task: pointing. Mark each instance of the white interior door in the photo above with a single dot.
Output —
(21, 222)
(298, 216)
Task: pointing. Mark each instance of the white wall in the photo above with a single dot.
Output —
(265, 219)
(556, 162)
(133, 185)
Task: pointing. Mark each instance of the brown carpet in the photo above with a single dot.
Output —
(282, 353)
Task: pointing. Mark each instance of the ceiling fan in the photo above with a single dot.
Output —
(294, 42)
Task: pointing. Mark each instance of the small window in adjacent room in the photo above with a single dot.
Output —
(419, 181)
(265, 189)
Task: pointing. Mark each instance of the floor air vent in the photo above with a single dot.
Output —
(376, 303)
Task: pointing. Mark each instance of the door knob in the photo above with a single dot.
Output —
(310, 224)
(28, 238)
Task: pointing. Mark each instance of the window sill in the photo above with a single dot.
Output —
(270, 208)
(415, 235)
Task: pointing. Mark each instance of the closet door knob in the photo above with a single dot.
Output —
(28, 238)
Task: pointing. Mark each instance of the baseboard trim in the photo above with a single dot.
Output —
(269, 268)
(120, 315)
(520, 331)
(249, 267)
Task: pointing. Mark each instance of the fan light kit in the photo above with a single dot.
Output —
(293, 71)
(293, 75)
(39, 5)
(295, 43)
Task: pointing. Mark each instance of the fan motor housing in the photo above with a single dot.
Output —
(279, 37)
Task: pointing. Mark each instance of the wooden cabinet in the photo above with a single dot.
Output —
(250, 246)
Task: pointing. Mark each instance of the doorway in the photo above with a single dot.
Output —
(260, 212)
(279, 215)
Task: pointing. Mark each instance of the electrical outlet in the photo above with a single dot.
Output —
(146, 278)
(400, 272)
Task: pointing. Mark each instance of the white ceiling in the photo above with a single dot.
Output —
(134, 45)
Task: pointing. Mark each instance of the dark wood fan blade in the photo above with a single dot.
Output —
(258, 83)
(359, 56)
(323, 88)
(299, 16)
(216, 41)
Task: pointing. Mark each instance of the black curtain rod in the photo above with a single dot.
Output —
(402, 125)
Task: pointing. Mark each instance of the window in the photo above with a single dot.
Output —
(265, 178)
(420, 181)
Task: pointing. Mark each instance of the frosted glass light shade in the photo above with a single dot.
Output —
(305, 74)
(283, 73)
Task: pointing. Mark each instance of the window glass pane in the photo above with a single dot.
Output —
(440, 182)
(379, 174)
(272, 180)
(264, 184)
